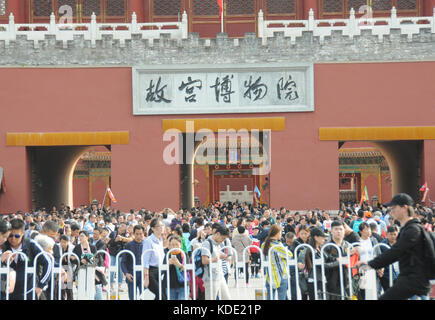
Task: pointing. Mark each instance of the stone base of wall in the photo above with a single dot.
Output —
(250, 49)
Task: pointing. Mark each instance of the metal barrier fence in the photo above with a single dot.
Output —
(293, 275)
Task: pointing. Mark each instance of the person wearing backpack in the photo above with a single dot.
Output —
(409, 250)
(211, 254)
(355, 224)
(240, 241)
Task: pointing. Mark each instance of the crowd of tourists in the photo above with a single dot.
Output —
(76, 237)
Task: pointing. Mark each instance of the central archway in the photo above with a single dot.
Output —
(251, 149)
(239, 166)
(183, 131)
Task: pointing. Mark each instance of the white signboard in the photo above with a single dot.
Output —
(193, 89)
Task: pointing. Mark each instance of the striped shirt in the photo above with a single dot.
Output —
(228, 251)
(278, 255)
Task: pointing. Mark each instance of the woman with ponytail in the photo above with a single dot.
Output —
(152, 259)
(275, 252)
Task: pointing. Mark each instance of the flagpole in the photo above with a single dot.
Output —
(104, 199)
(424, 189)
(222, 23)
(222, 16)
(424, 195)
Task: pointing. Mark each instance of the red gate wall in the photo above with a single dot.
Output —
(304, 170)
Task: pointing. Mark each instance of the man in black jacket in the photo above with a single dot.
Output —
(264, 231)
(337, 284)
(408, 250)
(136, 247)
(17, 243)
(118, 240)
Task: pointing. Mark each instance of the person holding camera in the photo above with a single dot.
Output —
(177, 261)
(17, 243)
(87, 255)
(117, 242)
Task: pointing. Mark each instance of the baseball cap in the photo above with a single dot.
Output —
(317, 232)
(400, 199)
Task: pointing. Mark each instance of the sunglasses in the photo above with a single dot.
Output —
(17, 236)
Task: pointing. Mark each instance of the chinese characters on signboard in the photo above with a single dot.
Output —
(225, 91)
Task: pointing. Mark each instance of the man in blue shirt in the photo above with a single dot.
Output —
(90, 224)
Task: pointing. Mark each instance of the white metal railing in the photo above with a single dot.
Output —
(350, 27)
(92, 31)
(56, 274)
(293, 29)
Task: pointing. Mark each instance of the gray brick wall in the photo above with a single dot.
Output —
(194, 50)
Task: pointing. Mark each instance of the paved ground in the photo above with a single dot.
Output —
(252, 291)
(241, 291)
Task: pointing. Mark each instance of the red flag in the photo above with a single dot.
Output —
(111, 196)
(364, 196)
(219, 2)
(424, 189)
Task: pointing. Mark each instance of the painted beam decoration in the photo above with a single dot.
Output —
(199, 89)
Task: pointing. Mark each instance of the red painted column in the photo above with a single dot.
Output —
(17, 175)
(260, 5)
(137, 7)
(428, 172)
(311, 4)
(16, 9)
(428, 7)
(146, 10)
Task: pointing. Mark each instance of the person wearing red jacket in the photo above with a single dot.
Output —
(255, 254)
